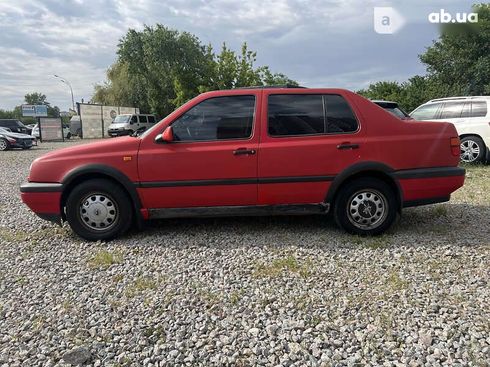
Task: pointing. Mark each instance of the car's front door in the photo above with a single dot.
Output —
(212, 160)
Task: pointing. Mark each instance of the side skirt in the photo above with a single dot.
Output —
(238, 211)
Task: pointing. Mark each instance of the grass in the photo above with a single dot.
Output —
(104, 259)
(440, 210)
(476, 186)
(10, 235)
(140, 285)
(278, 266)
(378, 242)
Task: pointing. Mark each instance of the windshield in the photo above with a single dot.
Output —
(398, 112)
(121, 119)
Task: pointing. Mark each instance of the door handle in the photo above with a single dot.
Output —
(243, 151)
(345, 146)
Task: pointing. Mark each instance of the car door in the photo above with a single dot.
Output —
(306, 140)
(212, 160)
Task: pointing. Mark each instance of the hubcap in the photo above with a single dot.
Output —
(367, 209)
(469, 151)
(98, 212)
(3, 144)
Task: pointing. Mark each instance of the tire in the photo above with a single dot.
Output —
(4, 144)
(68, 136)
(353, 208)
(98, 209)
(80, 133)
(473, 149)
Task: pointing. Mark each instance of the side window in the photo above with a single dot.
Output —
(427, 112)
(466, 110)
(339, 116)
(451, 110)
(134, 119)
(219, 118)
(151, 119)
(143, 119)
(478, 109)
(296, 114)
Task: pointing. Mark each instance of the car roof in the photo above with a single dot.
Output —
(462, 98)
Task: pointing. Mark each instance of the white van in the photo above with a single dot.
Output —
(470, 116)
(128, 124)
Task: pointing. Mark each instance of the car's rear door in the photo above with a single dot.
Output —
(306, 139)
(213, 160)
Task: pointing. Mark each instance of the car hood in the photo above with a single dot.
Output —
(16, 135)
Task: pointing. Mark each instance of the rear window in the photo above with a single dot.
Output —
(478, 109)
(151, 119)
(308, 114)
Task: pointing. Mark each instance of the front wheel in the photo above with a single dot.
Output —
(4, 144)
(98, 210)
(472, 149)
(366, 206)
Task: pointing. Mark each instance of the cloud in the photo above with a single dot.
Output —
(317, 42)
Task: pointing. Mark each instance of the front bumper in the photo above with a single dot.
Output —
(118, 132)
(22, 143)
(44, 199)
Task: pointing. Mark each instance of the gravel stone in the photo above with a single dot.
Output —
(289, 291)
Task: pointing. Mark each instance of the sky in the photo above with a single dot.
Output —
(319, 43)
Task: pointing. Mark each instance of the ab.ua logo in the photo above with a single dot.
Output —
(443, 17)
(387, 20)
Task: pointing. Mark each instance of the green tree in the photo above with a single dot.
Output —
(460, 58)
(158, 69)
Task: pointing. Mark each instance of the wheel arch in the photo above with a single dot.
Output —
(93, 171)
(365, 169)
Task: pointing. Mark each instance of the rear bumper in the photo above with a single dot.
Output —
(429, 186)
(43, 199)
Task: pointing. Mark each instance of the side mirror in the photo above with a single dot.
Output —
(166, 137)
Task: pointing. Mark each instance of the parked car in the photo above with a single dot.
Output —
(66, 131)
(470, 116)
(393, 108)
(9, 140)
(14, 125)
(128, 124)
(76, 126)
(250, 151)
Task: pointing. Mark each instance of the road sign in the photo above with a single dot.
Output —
(29, 110)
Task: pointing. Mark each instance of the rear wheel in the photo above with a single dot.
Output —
(68, 136)
(472, 149)
(366, 206)
(98, 210)
(4, 144)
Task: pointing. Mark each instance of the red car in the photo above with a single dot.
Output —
(252, 151)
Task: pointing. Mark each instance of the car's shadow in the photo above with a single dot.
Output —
(456, 224)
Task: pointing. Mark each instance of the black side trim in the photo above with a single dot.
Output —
(53, 218)
(240, 181)
(420, 202)
(430, 172)
(293, 179)
(40, 187)
(237, 181)
(252, 210)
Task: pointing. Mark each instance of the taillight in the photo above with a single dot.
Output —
(455, 146)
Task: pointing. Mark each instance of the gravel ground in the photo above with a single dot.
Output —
(290, 291)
